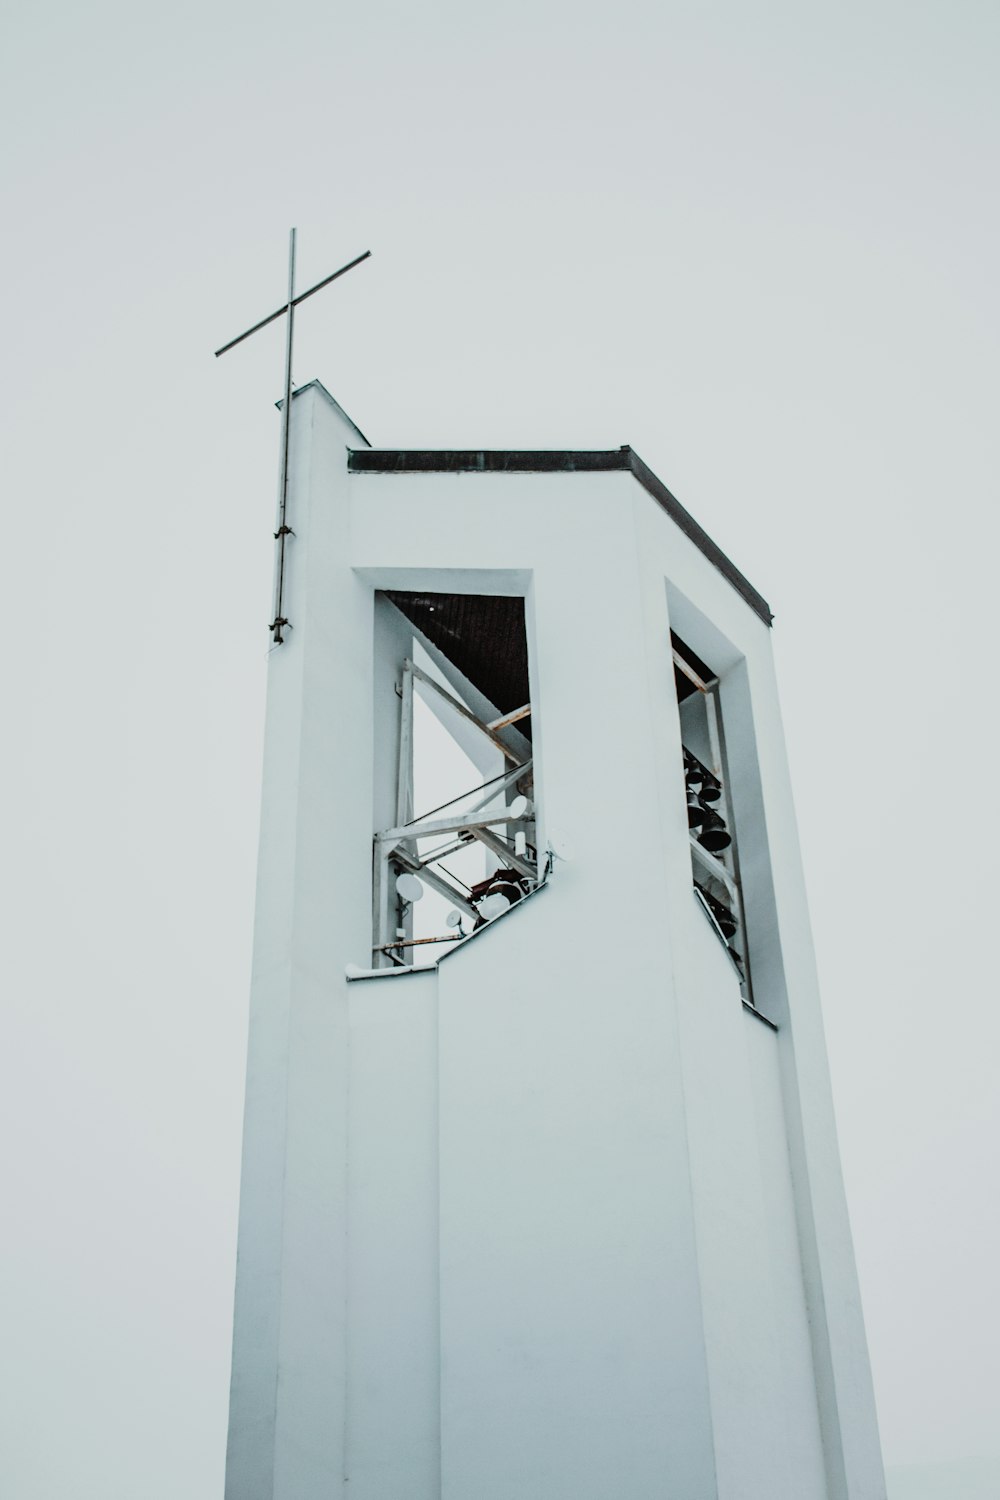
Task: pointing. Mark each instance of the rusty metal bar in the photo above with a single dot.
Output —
(514, 718)
(689, 672)
(452, 937)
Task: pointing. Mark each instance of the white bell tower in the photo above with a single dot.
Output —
(541, 1197)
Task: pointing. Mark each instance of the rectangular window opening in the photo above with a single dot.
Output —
(714, 855)
(461, 849)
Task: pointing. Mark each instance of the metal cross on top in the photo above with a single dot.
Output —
(279, 622)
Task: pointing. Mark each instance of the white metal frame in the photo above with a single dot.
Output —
(724, 867)
(398, 848)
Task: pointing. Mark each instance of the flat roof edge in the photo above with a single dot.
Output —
(486, 460)
(697, 534)
(559, 461)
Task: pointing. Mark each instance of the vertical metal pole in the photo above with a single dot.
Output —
(404, 767)
(380, 881)
(284, 530)
(404, 792)
(730, 857)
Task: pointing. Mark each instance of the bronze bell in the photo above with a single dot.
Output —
(711, 789)
(727, 922)
(696, 813)
(714, 835)
(723, 916)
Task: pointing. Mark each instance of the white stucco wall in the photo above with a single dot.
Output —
(392, 1416)
(560, 1218)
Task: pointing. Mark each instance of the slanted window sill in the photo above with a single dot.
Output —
(355, 972)
(760, 1015)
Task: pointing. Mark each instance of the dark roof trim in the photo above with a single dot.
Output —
(700, 537)
(490, 460)
(558, 461)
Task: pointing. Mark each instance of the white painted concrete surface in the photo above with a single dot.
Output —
(560, 1219)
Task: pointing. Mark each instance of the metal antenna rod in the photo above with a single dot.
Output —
(284, 530)
(279, 622)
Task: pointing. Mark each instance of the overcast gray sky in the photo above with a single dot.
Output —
(759, 243)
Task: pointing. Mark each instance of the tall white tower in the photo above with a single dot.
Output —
(541, 1196)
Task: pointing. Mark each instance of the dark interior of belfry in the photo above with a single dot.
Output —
(483, 635)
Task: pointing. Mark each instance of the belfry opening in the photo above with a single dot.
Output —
(461, 847)
(707, 789)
